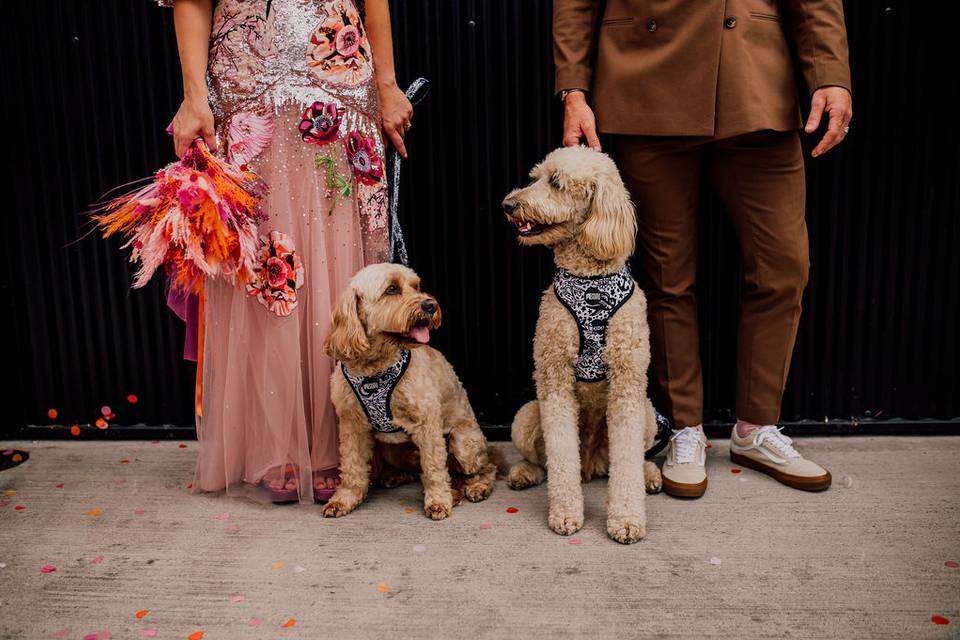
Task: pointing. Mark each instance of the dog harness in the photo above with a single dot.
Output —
(592, 300)
(374, 392)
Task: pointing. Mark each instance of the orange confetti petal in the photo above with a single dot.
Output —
(408, 509)
(289, 623)
(52, 414)
(196, 635)
(74, 430)
(140, 614)
(276, 566)
(10, 493)
(93, 513)
(383, 587)
(101, 423)
(17, 457)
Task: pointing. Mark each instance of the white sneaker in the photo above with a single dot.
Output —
(684, 471)
(768, 451)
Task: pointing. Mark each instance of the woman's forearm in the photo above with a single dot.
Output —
(193, 20)
(377, 24)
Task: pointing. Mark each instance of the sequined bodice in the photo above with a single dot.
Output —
(278, 52)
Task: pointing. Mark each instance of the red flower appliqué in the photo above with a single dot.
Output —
(362, 155)
(320, 123)
(278, 276)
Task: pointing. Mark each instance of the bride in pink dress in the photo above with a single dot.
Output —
(299, 91)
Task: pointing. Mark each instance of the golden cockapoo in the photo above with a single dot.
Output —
(390, 387)
(592, 415)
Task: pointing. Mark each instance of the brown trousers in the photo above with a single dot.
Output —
(760, 180)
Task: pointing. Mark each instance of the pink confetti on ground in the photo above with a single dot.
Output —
(8, 452)
(97, 560)
(236, 598)
(97, 635)
(234, 528)
(221, 516)
(106, 411)
(486, 525)
(61, 633)
(4, 503)
(255, 622)
(120, 482)
(574, 541)
(47, 568)
(419, 548)
(149, 633)
(953, 564)
(299, 569)
(139, 512)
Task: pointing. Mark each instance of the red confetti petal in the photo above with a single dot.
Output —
(183, 446)
(939, 620)
(196, 635)
(953, 564)
(19, 507)
(52, 414)
(735, 470)
(124, 461)
(74, 430)
(132, 399)
(59, 485)
(190, 486)
(512, 509)
(47, 568)
(574, 541)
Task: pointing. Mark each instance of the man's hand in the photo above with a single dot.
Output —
(578, 121)
(838, 104)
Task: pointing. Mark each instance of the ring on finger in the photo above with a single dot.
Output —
(407, 125)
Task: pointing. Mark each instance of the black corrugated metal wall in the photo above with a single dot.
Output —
(91, 86)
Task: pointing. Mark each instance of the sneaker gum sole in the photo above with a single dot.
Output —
(804, 483)
(684, 490)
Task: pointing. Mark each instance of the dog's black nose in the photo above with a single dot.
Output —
(510, 205)
(429, 307)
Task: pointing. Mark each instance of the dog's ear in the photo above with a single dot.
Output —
(436, 318)
(611, 226)
(347, 338)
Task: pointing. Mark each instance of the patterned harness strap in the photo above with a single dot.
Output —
(592, 301)
(374, 392)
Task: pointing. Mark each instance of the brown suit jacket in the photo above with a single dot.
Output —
(697, 67)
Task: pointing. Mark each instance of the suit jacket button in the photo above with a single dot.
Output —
(730, 22)
(652, 26)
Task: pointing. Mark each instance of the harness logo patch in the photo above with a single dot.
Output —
(369, 387)
(597, 299)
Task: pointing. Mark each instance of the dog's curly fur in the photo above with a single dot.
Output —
(371, 324)
(577, 205)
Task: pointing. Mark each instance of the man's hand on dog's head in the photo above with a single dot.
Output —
(578, 121)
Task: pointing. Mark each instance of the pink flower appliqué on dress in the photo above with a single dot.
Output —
(320, 123)
(338, 46)
(362, 155)
(248, 134)
(278, 276)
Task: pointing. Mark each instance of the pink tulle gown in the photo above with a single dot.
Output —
(292, 87)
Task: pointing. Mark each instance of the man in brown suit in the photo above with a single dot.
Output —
(706, 88)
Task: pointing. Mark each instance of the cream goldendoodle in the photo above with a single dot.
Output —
(393, 389)
(591, 349)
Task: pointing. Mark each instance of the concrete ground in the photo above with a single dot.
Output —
(751, 559)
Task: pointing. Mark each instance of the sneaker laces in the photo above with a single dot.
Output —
(780, 443)
(686, 444)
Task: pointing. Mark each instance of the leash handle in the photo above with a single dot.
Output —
(415, 93)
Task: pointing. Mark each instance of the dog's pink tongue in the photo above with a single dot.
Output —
(420, 334)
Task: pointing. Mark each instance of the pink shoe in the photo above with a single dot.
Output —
(282, 495)
(323, 494)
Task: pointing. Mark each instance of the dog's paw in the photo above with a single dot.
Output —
(336, 509)
(565, 523)
(652, 478)
(478, 490)
(437, 510)
(394, 479)
(525, 474)
(626, 529)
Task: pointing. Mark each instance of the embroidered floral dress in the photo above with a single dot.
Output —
(293, 94)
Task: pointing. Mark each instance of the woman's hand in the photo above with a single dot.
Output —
(194, 120)
(396, 114)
